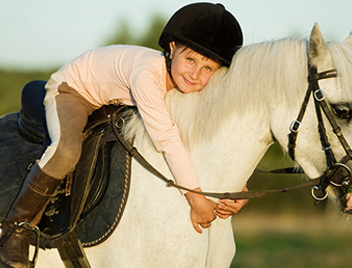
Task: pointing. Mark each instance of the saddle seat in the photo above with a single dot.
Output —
(91, 199)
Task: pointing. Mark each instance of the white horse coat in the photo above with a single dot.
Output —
(227, 128)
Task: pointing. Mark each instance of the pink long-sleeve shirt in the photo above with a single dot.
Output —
(134, 76)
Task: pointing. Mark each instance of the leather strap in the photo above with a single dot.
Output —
(71, 251)
(319, 95)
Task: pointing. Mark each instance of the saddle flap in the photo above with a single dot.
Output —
(99, 190)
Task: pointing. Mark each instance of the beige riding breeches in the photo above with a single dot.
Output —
(67, 113)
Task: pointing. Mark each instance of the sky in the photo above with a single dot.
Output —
(38, 34)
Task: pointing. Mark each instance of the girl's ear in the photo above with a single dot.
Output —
(172, 48)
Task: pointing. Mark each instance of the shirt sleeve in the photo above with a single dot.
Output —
(148, 95)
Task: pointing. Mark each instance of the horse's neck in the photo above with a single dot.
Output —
(228, 161)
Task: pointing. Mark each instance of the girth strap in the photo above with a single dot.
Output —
(71, 251)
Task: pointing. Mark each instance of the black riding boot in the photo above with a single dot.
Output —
(28, 207)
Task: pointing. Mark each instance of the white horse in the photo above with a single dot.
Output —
(227, 129)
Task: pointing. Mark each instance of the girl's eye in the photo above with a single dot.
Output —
(190, 59)
(208, 69)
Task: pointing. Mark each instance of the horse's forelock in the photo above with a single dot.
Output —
(342, 58)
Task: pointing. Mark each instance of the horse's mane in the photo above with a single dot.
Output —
(259, 74)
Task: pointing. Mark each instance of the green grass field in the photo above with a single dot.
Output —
(292, 241)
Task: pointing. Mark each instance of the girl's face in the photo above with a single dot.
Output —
(190, 70)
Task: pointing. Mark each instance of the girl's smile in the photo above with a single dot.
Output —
(188, 82)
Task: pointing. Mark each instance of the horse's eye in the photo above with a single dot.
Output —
(343, 111)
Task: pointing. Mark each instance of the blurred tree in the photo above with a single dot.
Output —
(123, 35)
(149, 39)
(151, 36)
(11, 84)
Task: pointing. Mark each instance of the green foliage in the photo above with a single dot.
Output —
(278, 249)
(11, 84)
(149, 39)
(123, 35)
(151, 36)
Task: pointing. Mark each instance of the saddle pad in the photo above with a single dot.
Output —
(15, 156)
(96, 223)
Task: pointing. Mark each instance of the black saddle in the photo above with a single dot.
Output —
(92, 198)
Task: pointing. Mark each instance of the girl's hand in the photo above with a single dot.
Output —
(202, 210)
(231, 207)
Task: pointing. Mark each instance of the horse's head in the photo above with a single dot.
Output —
(330, 85)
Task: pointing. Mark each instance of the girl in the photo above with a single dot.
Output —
(197, 40)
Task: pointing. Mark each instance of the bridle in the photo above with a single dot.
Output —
(320, 183)
(333, 167)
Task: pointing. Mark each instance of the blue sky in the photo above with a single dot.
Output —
(44, 33)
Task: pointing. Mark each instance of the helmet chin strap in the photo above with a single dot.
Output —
(168, 62)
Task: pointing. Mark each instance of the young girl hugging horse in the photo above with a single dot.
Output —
(198, 39)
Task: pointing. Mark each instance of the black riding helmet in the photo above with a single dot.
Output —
(207, 28)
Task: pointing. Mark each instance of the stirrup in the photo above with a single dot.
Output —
(24, 225)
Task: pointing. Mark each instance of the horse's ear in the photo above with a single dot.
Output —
(317, 45)
(349, 40)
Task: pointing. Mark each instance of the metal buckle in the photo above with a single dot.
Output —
(345, 183)
(326, 148)
(319, 95)
(317, 198)
(120, 123)
(295, 126)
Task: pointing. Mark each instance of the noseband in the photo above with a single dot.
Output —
(333, 167)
